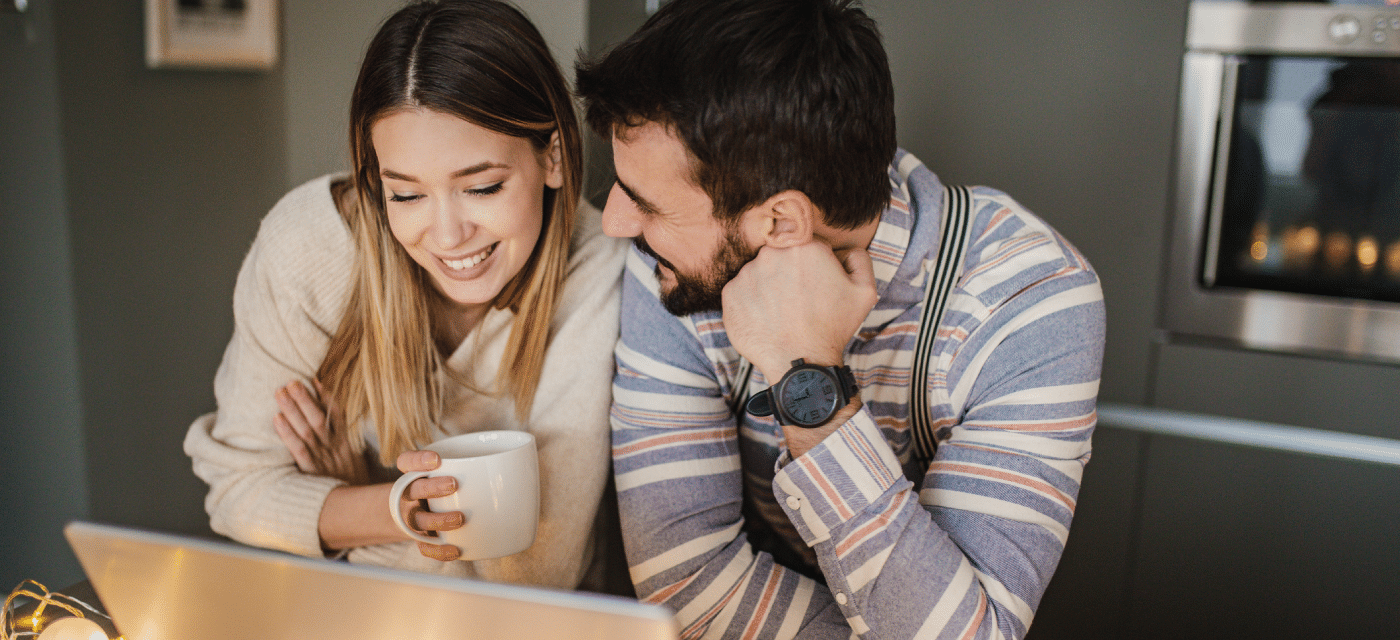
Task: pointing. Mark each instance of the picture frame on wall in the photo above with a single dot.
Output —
(212, 34)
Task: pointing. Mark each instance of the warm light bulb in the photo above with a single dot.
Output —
(73, 629)
(1336, 249)
(1368, 251)
(1307, 240)
(1392, 259)
(1259, 250)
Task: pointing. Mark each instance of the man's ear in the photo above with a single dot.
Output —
(553, 158)
(787, 219)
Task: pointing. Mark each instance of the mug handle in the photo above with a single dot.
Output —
(396, 496)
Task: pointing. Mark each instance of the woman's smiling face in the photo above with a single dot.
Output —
(465, 202)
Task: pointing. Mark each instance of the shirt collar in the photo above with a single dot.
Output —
(911, 185)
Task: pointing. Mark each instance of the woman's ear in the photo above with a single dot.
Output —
(553, 157)
(787, 219)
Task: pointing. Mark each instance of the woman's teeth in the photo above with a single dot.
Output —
(470, 261)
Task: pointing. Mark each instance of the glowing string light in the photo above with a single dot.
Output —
(13, 627)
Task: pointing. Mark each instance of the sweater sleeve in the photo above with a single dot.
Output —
(290, 294)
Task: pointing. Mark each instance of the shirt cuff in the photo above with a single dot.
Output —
(836, 480)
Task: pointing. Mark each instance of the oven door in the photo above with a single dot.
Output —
(1286, 229)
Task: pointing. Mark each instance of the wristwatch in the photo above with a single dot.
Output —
(806, 396)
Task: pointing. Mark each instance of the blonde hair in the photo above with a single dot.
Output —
(482, 61)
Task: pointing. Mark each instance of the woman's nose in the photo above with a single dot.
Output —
(451, 226)
(621, 218)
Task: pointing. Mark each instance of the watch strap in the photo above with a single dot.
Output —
(761, 403)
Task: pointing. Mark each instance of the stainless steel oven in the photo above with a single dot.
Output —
(1286, 222)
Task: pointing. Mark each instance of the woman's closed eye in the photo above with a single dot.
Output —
(490, 189)
(407, 197)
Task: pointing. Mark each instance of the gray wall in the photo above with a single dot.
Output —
(43, 479)
(168, 174)
(1068, 107)
(135, 196)
(324, 41)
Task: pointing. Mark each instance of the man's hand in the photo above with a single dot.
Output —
(798, 302)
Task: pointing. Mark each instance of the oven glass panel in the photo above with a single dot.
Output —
(1312, 189)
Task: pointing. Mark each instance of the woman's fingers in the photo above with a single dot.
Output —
(443, 552)
(410, 461)
(310, 410)
(424, 488)
(427, 521)
(294, 443)
(291, 413)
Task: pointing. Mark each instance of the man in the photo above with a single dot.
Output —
(776, 220)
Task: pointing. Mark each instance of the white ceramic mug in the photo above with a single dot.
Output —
(498, 490)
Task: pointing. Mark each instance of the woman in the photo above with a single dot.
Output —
(441, 288)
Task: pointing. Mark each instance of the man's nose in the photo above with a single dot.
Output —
(621, 219)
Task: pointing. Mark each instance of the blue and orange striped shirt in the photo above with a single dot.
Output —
(854, 538)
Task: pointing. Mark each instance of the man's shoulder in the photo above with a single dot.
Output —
(649, 329)
(1010, 248)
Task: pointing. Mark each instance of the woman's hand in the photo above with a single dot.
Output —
(316, 436)
(416, 512)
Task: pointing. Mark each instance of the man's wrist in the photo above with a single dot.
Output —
(800, 440)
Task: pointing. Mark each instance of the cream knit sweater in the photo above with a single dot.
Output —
(291, 292)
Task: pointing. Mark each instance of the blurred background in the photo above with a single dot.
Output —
(128, 197)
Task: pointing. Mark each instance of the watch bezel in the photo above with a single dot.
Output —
(779, 389)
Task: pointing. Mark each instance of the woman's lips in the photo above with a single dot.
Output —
(470, 266)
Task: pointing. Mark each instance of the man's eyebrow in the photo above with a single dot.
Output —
(460, 173)
(642, 203)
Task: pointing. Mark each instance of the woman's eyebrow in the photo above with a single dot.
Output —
(460, 173)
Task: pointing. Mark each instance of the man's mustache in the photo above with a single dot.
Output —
(641, 242)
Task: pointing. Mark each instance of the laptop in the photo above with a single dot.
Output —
(159, 586)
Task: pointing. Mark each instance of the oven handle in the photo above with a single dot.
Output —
(1251, 433)
(1229, 85)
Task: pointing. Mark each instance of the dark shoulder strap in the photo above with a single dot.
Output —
(957, 219)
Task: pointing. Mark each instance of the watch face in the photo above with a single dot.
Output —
(809, 396)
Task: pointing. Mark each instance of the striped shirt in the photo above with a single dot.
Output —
(854, 538)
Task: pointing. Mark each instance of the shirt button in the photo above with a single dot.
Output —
(841, 598)
(794, 503)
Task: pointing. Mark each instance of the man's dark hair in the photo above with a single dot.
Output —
(766, 95)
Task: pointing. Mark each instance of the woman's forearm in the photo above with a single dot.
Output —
(357, 516)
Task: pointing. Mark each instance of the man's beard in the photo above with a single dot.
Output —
(696, 294)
